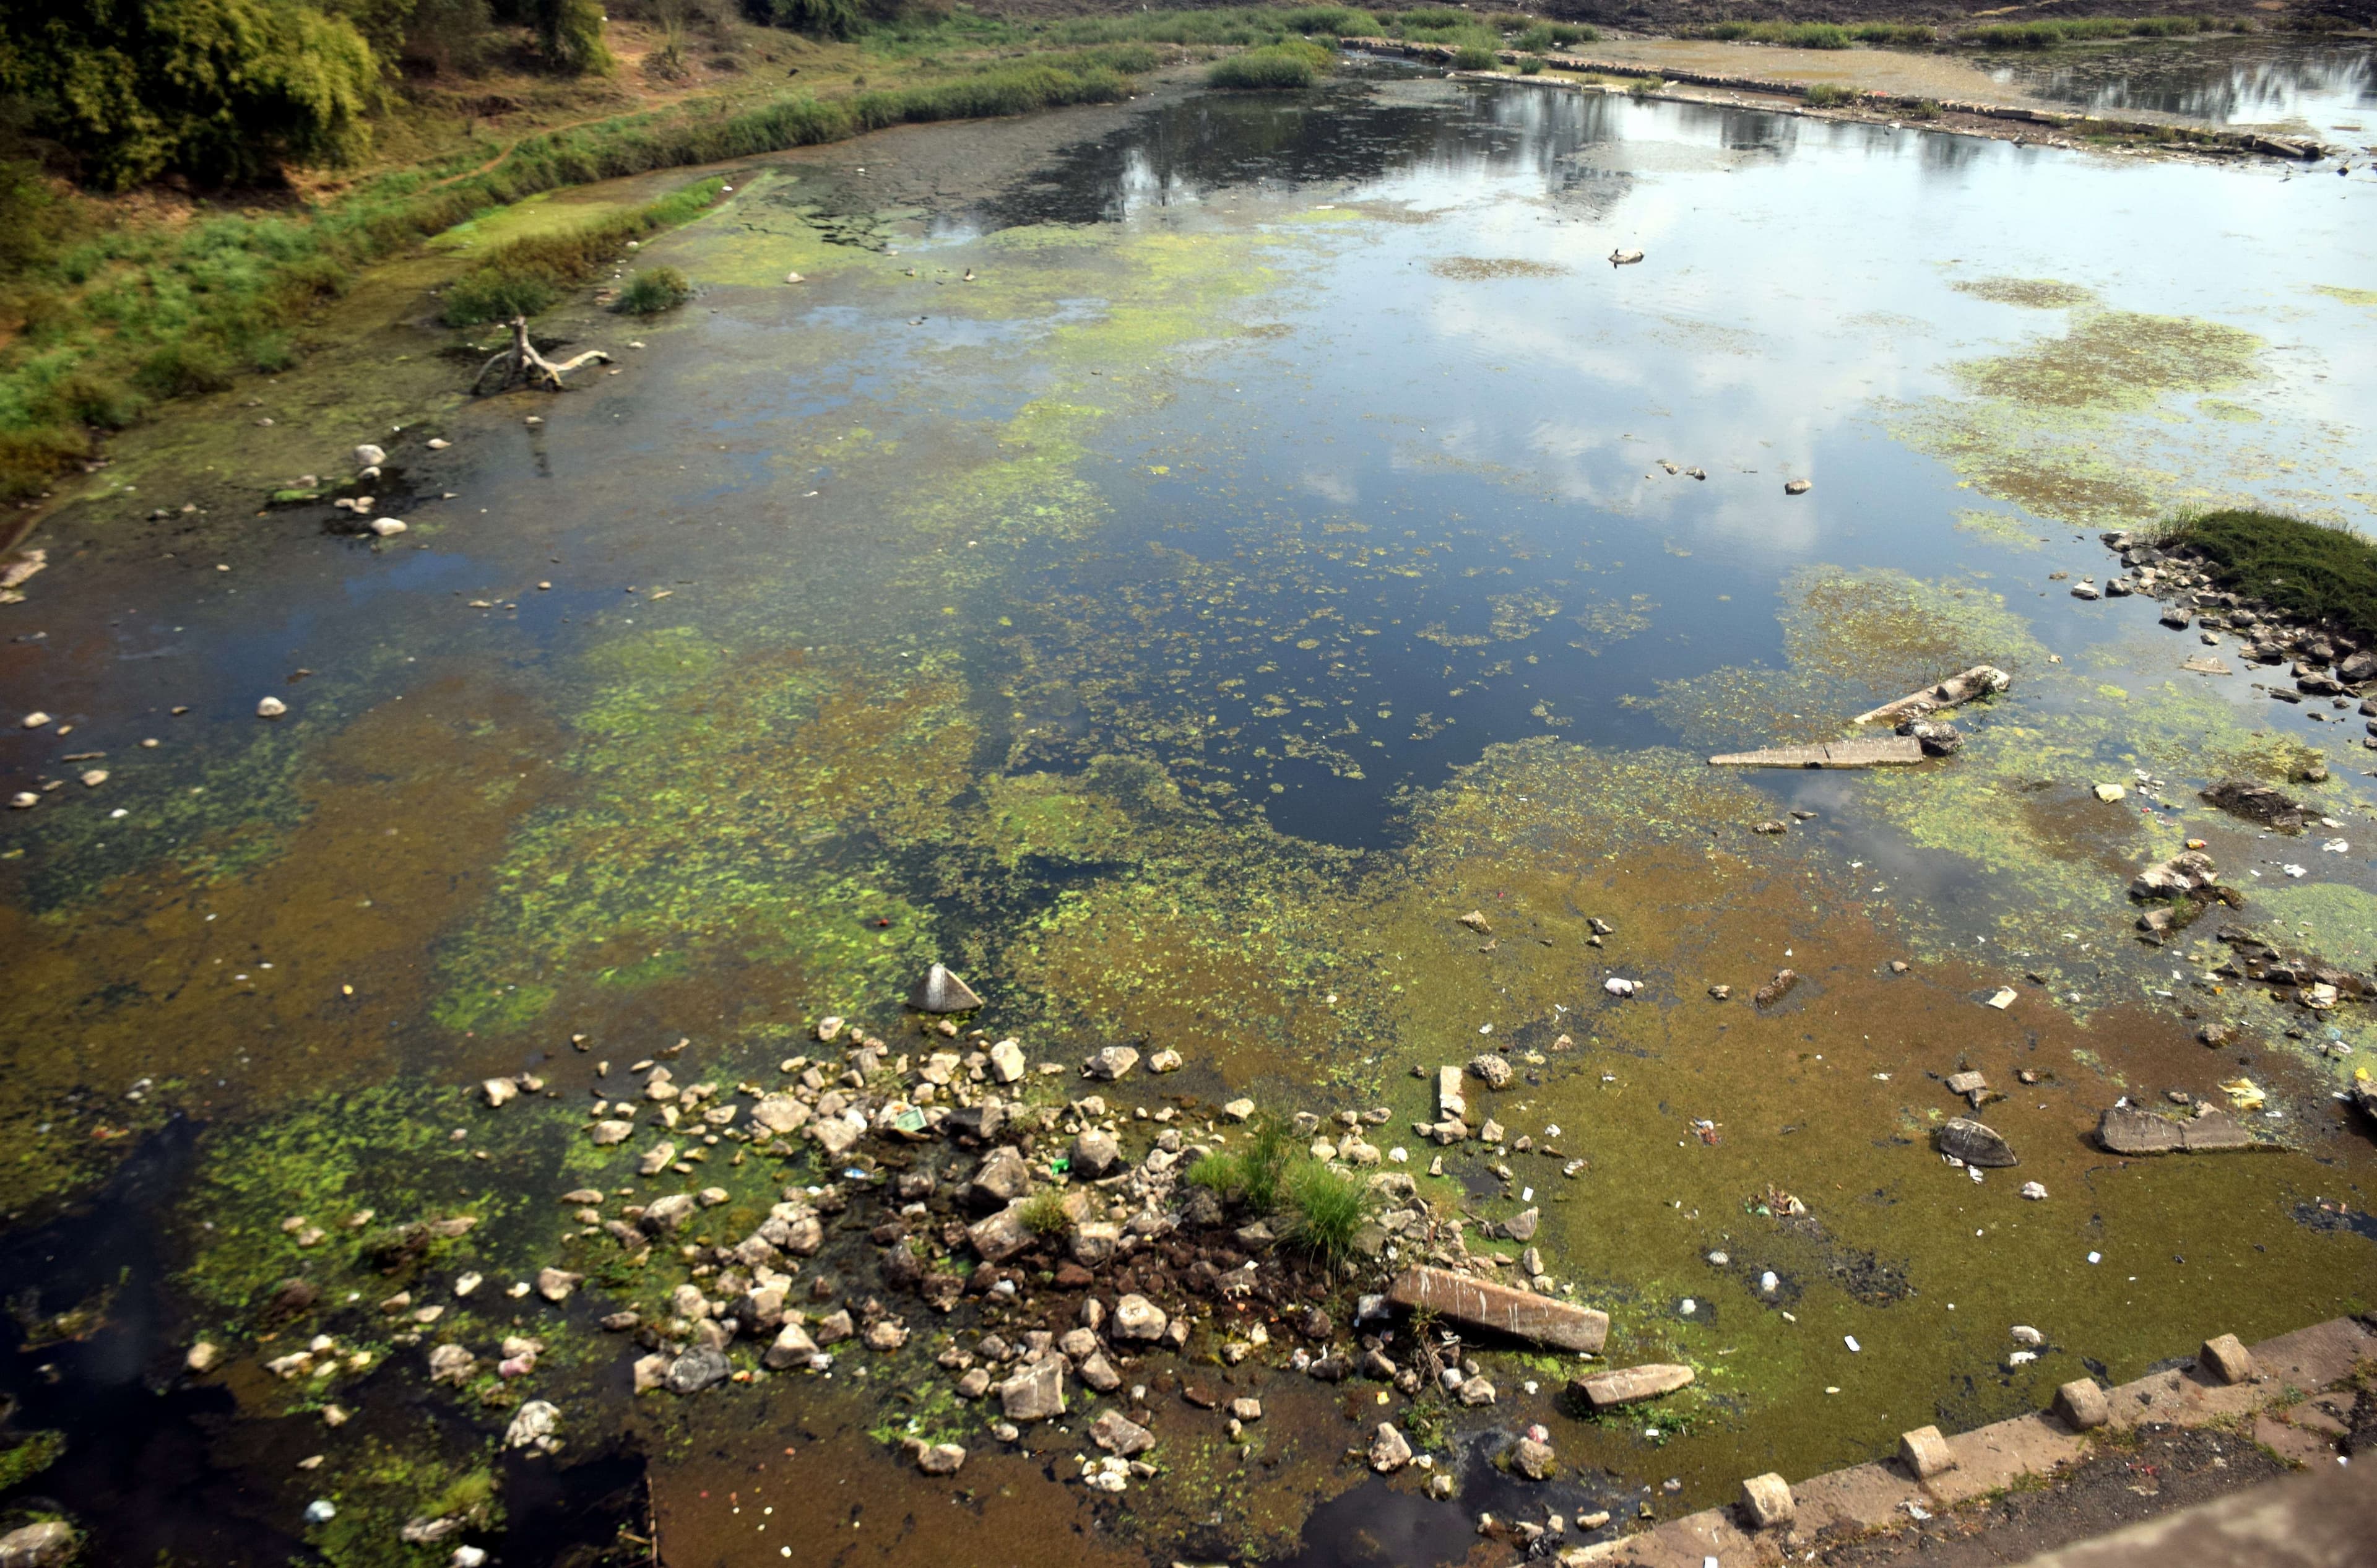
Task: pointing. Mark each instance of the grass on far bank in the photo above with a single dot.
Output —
(2305, 569)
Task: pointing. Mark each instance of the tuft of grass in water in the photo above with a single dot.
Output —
(1922, 109)
(1293, 62)
(2306, 569)
(1042, 1213)
(1253, 1175)
(651, 292)
(1325, 1207)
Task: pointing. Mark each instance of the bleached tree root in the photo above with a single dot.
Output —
(521, 363)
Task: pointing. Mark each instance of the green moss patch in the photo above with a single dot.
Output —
(2306, 569)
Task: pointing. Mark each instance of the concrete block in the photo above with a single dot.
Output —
(2082, 1405)
(2226, 1360)
(1924, 1452)
(1766, 1501)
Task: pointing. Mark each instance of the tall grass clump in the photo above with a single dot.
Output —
(1326, 1207)
(1827, 95)
(2305, 569)
(652, 290)
(1295, 63)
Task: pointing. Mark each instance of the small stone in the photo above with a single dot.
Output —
(203, 1357)
(1247, 1409)
(36, 720)
(1532, 1459)
(1390, 1451)
(1164, 1061)
(1119, 1434)
(1096, 1151)
(532, 1425)
(1238, 1109)
(500, 1091)
(1007, 1061)
(1924, 1452)
(2227, 1360)
(2034, 1191)
(940, 1458)
(272, 708)
(388, 527)
(555, 1285)
(1797, 487)
(1493, 1070)
(697, 1369)
(1110, 1063)
(1035, 1393)
(1135, 1317)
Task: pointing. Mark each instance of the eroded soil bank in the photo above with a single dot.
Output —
(1171, 563)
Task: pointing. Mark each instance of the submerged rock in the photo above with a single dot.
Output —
(1477, 1303)
(940, 991)
(1390, 1451)
(1976, 1144)
(2126, 1129)
(2188, 871)
(2257, 803)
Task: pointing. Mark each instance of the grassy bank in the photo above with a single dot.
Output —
(2077, 29)
(2304, 569)
(137, 316)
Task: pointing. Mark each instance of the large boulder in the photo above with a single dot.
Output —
(1000, 1179)
(1096, 1151)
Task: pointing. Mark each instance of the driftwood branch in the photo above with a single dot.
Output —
(521, 363)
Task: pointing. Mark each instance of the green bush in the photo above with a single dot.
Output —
(571, 31)
(1543, 36)
(1827, 95)
(1530, 67)
(2306, 569)
(84, 397)
(1893, 32)
(177, 369)
(1295, 63)
(226, 91)
(819, 19)
(1472, 58)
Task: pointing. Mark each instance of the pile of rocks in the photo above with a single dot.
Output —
(2323, 662)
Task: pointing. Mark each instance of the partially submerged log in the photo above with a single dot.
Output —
(522, 363)
(1897, 751)
(1981, 680)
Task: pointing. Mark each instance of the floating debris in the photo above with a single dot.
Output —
(1981, 680)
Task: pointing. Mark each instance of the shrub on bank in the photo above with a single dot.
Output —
(2307, 570)
(654, 291)
(262, 275)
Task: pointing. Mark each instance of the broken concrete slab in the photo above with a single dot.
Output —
(1896, 752)
(2224, 1356)
(2082, 1406)
(1624, 1386)
(1981, 680)
(1924, 1452)
(2127, 1130)
(1478, 1304)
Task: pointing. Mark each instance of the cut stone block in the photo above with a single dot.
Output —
(1625, 1384)
(2082, 1405)
(2227, 1360)
(1766, 1501)
(1924, 1452)
(1477, 1304)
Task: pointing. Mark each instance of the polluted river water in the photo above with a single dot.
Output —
(1172, 563)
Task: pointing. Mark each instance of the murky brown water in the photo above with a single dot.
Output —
(1240, 547)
